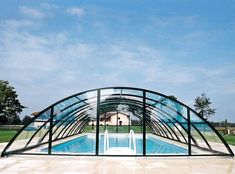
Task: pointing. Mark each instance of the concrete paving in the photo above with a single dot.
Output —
(115, 165)
(26, 164)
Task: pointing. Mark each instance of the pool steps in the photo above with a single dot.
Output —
(120, 150)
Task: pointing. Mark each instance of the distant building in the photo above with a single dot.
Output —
(113, 119)
(109, 119)
(39, 121)
(34, 114)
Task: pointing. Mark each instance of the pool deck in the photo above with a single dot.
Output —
(26, 164)
(115, 165)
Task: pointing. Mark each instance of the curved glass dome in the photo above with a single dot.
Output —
(120, 121)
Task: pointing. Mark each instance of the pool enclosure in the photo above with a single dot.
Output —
(118, 121)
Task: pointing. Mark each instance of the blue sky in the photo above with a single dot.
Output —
(52, 49)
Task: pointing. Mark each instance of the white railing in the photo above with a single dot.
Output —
(106, 141)
(132, 140)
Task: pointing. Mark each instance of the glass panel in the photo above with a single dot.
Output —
(207, 142)
(173, 127)
(167, 105)
(66, 103)
(167, 121)
(121, 122)
(132, 92)
(74, 128)
(181, 130)
(32, 135)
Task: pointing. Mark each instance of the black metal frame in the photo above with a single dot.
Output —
(77, 119)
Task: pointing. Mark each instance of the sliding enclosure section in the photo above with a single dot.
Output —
(74, 126)
(207, 140)
(167, 121)
(29, 139)
(121, 122)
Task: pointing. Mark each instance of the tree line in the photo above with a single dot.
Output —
(224, 123)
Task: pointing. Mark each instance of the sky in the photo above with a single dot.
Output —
(52, 49)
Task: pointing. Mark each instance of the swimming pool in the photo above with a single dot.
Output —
(86, 144)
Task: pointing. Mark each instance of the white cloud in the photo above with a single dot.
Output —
(119, 63)
(32, 12)
(49, 6)
(58, 65)
(143, 64)
(25, 56)
(169, 74)
(76, 11)
(172, 20)
(220, 80)
(16, 24)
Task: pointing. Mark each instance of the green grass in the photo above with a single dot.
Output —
(230, 139)
(6, 135)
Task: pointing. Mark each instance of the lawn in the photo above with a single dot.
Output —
(6, 135)
(230, 139)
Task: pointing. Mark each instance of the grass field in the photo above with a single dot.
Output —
(230, 139)
(6, 135)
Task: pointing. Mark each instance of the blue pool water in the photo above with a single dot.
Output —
(86, 145)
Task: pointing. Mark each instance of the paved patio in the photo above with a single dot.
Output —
(115, 165)
(26, 164)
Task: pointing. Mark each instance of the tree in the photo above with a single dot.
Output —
(202, 106)
(27, 119)
(173, 97)
(3, 119)
(10, 106)
(16, 120)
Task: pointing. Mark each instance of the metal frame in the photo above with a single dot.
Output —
(73, 119)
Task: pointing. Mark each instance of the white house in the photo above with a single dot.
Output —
(113, 119)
